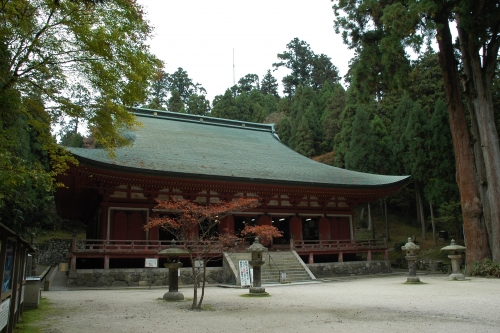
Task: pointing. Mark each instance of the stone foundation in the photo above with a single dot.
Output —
(348, 268)
(129, 277)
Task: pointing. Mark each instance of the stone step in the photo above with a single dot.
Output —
(279, 262)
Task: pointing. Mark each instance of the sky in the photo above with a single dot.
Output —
(200, 36)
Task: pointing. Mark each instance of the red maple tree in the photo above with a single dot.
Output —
(194, 226)
(264, 232)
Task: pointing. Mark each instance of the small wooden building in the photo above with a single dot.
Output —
(208, 159)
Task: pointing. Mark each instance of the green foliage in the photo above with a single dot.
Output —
(104, 46)
(303, 138)
(248, 83)
(398, 245)
(450, 218)
(441, 185)
(308, 68)
(485, 267)
(178, 93)
(269, 84)
(253, 106)
(415, 136)
(362, 144)
(175, 103)
(284, 130)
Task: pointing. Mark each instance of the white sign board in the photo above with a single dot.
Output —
(4, 313)
(151, 262)
(244, 273)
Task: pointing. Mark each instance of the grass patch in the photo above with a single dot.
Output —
(30, 319)
(420, 282)
(253, 295)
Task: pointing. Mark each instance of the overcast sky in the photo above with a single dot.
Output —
(200, 35)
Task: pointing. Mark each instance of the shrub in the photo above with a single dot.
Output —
(486, 267)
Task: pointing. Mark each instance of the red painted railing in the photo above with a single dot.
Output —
(122, 246)
(337, 245)
(155, 246)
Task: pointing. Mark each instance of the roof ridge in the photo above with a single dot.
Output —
(161, 114)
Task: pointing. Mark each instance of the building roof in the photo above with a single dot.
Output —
(171, 144)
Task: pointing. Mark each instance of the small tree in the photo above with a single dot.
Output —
(194, 225)
(264, 232)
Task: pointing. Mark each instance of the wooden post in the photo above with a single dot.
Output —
(369, 255)
(72, 262)
(14, 298)
(311, 258)
(341, 257)
(386, 221)
(433, 225)
(106, 262)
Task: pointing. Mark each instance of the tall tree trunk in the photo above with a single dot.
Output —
(479, 71)
(434, 238)
(386, 221)
(370, 222)
(195, 285)
(474, 228)
(360, 225)
(204, 279)
(420, 210)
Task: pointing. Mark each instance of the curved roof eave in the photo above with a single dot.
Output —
(230, 179)
(177, 145)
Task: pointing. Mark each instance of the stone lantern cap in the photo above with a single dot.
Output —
(173, 251)
(410, 247)
(454, 248)
(256, 246)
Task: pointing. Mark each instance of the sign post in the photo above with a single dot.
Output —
(244, 273)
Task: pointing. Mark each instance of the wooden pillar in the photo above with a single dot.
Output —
(265, 220)
(296, 228)
(154, 233)
(334, 228)
(386, 254)
(72, 262)
(311, 258)
(3, 253)
(324, 229)
(369, 255)
(106, 262)
(341, 257)
(14, 298)
(104, 225)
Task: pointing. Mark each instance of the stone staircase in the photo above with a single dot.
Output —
(277, 263)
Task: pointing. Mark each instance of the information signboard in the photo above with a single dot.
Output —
(244, 273)
(151, 262)
(4, 313)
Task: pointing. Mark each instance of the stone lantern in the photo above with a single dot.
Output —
(411, 256)
(256, 248)
(455, 256)
(173, 253)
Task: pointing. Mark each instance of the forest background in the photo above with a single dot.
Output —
(390, 115)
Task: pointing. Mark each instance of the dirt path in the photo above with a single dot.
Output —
(376, 304)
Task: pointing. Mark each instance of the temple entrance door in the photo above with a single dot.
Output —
(310, 228)
(128, 225)
(340, 228)
(283, 225)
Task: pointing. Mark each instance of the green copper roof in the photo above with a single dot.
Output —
(173, 144)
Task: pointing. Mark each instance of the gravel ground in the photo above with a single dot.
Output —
(371, 304)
